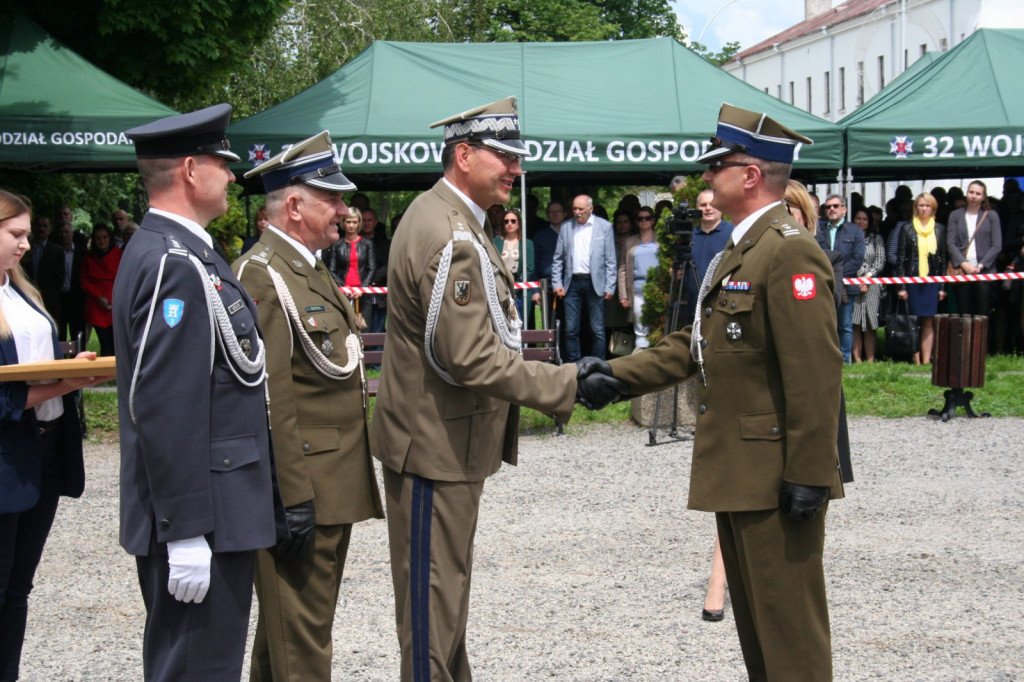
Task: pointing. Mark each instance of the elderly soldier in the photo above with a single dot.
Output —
(318, 411)
(765, 345)
(451, 382)
(197, 479)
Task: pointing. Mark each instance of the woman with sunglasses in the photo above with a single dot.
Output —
(640, 258)
(511, 246)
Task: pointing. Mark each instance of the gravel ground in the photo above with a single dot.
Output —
(589, 567)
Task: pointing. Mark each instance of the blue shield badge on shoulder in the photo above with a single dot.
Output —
(174, 310)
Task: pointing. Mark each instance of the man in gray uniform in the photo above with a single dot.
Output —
(198, 493)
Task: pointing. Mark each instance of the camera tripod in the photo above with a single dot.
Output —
(683, 273)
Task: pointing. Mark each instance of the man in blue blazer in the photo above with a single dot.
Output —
(198, 491)
(835, 233)
(583, 275)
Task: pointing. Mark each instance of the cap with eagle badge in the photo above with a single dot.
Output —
(754, 134)
(310, 162)
(495, 125)
(192, 134)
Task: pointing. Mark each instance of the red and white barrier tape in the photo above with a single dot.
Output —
(853, 280)
(943, 278)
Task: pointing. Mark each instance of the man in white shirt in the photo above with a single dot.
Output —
(583, 275)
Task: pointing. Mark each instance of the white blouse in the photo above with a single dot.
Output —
(33, 338)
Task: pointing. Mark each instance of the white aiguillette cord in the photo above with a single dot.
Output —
(507, 331)
(319, 360)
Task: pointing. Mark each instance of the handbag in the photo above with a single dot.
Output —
(954, 270)
(622, 342)
(902, 336)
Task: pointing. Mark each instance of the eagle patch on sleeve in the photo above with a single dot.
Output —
(804, 288)
(461, 291)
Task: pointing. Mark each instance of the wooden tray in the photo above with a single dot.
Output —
(59, 369)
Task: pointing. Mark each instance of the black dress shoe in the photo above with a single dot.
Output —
(712, 616)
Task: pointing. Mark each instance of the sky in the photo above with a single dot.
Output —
(746, 21)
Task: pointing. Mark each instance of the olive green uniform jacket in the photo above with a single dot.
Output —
(769, 411)
(318, 425)
(423, 425)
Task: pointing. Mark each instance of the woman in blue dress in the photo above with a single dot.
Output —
(922, 253)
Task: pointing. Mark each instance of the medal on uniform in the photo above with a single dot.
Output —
(327, 346)
(245, 344)
(216, 280)
(734, 331)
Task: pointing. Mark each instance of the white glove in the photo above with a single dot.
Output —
(189, 561)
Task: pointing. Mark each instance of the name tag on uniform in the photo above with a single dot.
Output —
(235, 307)
(315, 308)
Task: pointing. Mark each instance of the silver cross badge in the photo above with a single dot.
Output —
(734, 331)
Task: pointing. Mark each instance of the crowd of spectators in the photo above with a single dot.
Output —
(923, 235)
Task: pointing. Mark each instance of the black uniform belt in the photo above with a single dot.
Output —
(46, 427)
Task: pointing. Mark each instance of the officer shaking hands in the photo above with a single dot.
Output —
(198, 490)
(317, 411)
(765, 345)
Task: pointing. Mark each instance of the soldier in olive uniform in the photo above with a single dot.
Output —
(764, 343)
(317, 411)
(198, 494)
(452, 379)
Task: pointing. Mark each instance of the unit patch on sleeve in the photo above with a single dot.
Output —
(174, 310)
(461, 290)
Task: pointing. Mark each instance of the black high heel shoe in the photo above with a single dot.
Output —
(712, 616)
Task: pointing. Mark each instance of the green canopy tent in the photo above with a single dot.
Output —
(58, 111)
(960, 115)
(624, 111)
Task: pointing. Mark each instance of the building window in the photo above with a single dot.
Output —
(828, 93)
(792, 93)
(881, 72)
(943, 44)
(842, 88)
(766, 91)
(860, 83)
(778, 91)
(924, 48)
(810, 96)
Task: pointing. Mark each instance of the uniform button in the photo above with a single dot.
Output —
(703, 409)
(733, 306)
(305, 447)
(227, 462)
(164, 524)
(703, 344)
(707, 311)
(775, 430)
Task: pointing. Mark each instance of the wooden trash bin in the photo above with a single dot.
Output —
(961, 343)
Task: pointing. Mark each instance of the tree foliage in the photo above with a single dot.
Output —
(181, 52)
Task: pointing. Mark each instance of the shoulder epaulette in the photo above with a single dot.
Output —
(174, 246)
(263, 256)
(785, 228)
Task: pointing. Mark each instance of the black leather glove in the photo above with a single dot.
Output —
(589, 364)
(301, 521)
(802, 502)
(596, 391)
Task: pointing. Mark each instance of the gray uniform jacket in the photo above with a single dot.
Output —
(195, 448)
(422, 424)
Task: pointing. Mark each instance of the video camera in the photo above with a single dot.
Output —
(681, 227)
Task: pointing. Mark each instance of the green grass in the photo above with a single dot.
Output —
(882, 389)
(891, 389)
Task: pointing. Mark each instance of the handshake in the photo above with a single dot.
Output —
(596, 387)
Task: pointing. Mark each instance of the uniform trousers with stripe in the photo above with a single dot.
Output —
(297, 603)
(777, 586)
(192, 642)
(431, 526)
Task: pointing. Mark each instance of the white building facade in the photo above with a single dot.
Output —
(842, 55)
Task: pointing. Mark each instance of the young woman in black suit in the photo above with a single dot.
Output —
(40, 435)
